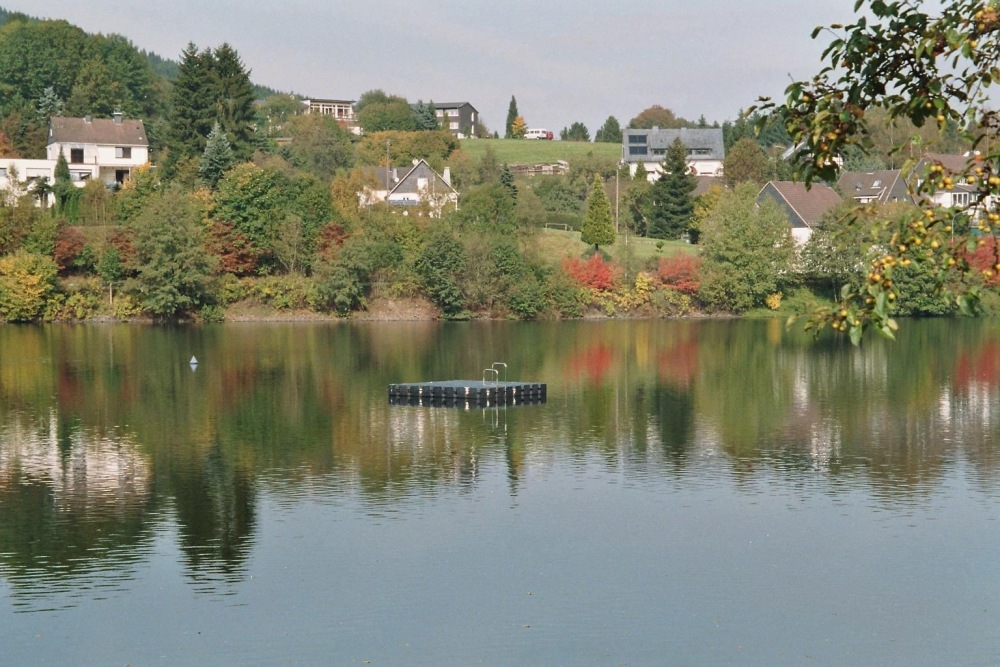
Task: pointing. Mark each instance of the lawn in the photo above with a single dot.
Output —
(536, 151)
(555, 245)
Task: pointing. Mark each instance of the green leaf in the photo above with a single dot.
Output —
(855, 335)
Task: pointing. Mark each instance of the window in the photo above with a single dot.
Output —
(123, 152)
(960, 199)
(659, 151)
(76, 156)
(637, 138)
(701, 151)
(453, 125)
(637, 150)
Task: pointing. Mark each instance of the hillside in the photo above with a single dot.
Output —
(533, 151)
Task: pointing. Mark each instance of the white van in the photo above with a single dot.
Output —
(537, 133)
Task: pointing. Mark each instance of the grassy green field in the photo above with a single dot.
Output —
(534, 151)
(555, 245)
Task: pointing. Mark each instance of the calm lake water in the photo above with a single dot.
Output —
(692, 493)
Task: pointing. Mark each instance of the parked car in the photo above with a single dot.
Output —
(537, 133)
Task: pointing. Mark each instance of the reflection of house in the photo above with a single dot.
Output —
(705, 148)
(459, 118)
(881, 186)
(804, 207)
(103, 148)
(419, 185)
(342, 110)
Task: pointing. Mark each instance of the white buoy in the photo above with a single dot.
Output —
(194, 361)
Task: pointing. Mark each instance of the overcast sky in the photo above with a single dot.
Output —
(564, 60)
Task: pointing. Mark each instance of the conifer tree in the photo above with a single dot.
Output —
(512, 115)
(194, 109)
(234, 100)
(218, 157)
(507, 181)
(598, 226)
(610, 132)
(670, 203)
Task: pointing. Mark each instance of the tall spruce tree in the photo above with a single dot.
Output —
(234, 100)
(193, 104)
(598, 226)
(670, 203)
(512, 115)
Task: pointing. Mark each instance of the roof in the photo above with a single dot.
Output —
(954, 163)
(884, 185)
(409, 183)
(706, 138)
(805, 206)
(451, 105)
(102, 131)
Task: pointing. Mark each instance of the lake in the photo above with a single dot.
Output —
(691, 493)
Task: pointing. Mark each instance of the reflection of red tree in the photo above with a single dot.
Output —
(679, 364)
(593, 362)
(982, 368)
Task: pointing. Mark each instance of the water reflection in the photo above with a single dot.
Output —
(109, 436)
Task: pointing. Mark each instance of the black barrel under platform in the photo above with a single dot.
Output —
(463, 392)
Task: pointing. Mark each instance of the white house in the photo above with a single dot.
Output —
(420, 185)
(104, 148)
(705, 149)
(17, 176)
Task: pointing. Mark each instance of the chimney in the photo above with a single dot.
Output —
(117, 115)
(446, 176)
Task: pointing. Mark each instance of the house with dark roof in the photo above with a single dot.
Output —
(459, 118)
(804, 207)
(882, 186)
(418, 187)
(103, 148)
(706, 150)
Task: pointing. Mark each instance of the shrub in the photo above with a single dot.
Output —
(27, 281)
(595, 272)
(679, 272)
(69, 246)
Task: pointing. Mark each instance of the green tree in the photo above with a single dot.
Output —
(747, 251)
(575, 132)
(512, 115)
(234, 97)
(425, 116)
(193, 104)
(920, 65)
(319, 145)
(379, 112)
(669, 204)
(507, 181)
(172, 269)
(217, 159)
(598, 224)
(658, 116)
(746, 162)
(610, 132)
(441, 260)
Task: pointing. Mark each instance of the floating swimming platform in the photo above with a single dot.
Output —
(490, 390)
